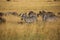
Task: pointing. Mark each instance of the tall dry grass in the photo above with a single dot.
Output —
(35, 31)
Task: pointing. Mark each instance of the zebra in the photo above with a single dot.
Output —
(51, 16)
(42, 14)
(46, 16)
(28, 19)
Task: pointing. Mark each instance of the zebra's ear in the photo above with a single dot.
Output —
(43, 11)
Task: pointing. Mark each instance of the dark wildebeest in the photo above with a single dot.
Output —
(58, 13)
(1, 14)
(12, 13)
(8, 0)
(2, 20)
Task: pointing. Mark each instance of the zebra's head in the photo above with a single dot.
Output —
(58, 13)
(42, 13)
(23, 15)
(32, 14)
(50, 14)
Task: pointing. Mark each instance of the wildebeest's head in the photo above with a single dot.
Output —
(1, 14)
(2, 20)
(58, 13)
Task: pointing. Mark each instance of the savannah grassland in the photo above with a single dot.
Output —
(40, 30)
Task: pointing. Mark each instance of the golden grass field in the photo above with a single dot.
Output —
(34, 31)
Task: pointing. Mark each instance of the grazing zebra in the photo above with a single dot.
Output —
(43, 14)
(28, 19)
(51, 16)
(47, 16)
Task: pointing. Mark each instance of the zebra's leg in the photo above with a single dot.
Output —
(44, 18)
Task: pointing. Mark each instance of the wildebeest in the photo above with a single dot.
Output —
(28, 19)
(20, 22)
(2, 20)
(58, 13)
(12, 13)
(1, 14)
(8, 0)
